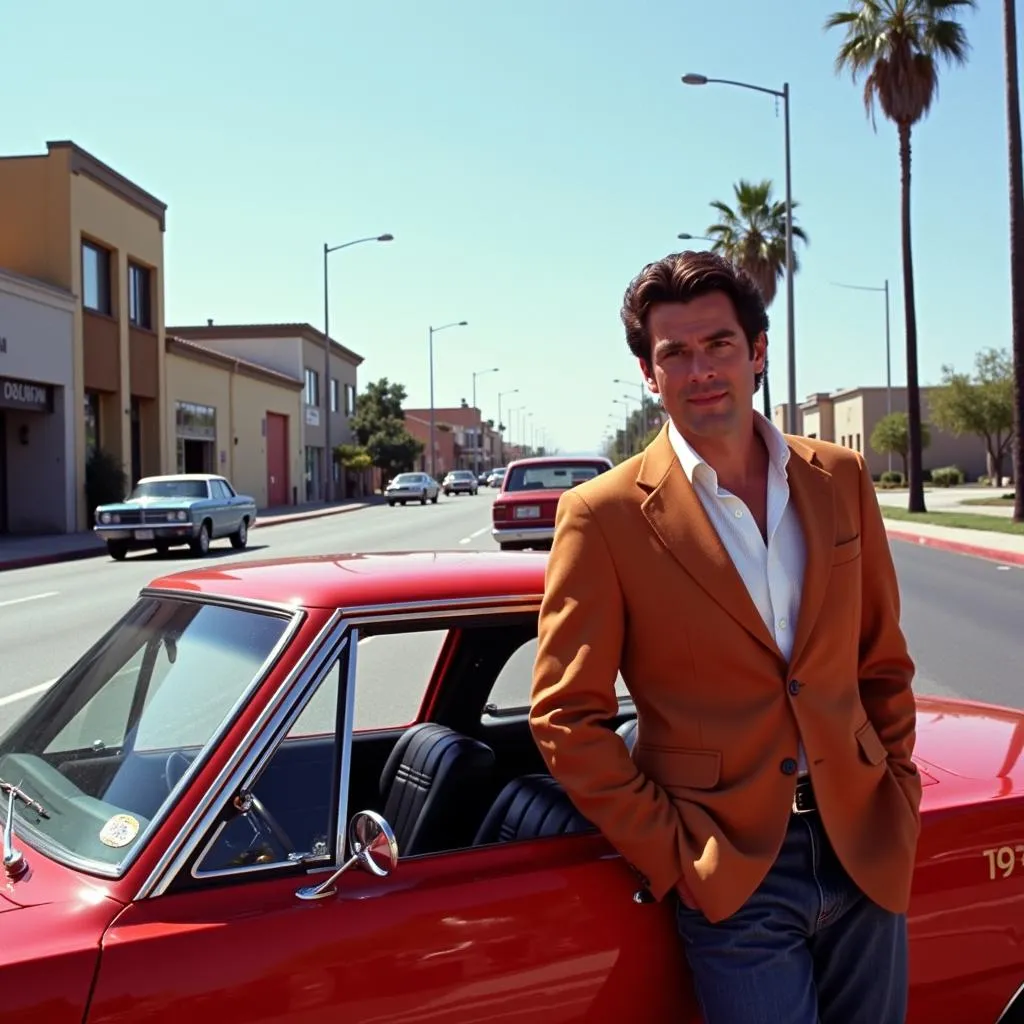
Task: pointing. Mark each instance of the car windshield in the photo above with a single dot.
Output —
(462, 474)
(103, 751)
(551, 476)
(407, 478)
(170, 489)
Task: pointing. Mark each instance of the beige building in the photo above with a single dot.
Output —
(848, 417)
(230, 416)
(73, 223)
(298, 351)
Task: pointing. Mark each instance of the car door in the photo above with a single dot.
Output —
(543, 931)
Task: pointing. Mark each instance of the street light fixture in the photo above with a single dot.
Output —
(687, 237)
(328, 456)
(433, 331)
(888, 348)
(783, 94)
(480, 432)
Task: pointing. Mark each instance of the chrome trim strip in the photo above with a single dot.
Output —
(347, 728)
(223, 600)
(267, 746)
(173, 859)
(1010, 1007)
(498, 605)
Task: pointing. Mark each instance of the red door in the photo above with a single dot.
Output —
(551, 935)
(277, 459)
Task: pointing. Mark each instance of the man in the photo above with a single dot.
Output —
(741, 581)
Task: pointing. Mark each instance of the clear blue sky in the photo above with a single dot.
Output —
(529, 158)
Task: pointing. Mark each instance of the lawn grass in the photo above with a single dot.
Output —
(997, 500)
(955, 520)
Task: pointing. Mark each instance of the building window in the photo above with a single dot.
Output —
(96, 278)
(139, 296)
(92, 424)
(858, 443)
(196, 430)
(312, 387)
(334, 394)
(350, 399)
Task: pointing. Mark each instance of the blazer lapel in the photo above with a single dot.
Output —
(677, 517)
(811, 491)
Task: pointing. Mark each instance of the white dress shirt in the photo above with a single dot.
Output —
(772, 572)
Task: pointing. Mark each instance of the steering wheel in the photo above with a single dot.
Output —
(265, 821)
(252, 807)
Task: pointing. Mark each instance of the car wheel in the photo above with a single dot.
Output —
(201, 545)
(117, 549)
(241, 536)
(433, 500)
(423, 499)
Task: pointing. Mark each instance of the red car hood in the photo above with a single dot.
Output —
(974, 749)
(49, 884)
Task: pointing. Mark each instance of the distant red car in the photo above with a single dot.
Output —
(306, 791)
(523, 513)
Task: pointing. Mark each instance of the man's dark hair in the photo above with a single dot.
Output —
(683, 276)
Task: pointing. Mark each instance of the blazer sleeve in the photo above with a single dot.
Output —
(886, 671)
(581, 631)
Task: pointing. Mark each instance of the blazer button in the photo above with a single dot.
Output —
(788, 766)
(794, 686)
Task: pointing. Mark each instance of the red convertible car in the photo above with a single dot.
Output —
(305, 791)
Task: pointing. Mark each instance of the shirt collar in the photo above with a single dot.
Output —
(692, 463)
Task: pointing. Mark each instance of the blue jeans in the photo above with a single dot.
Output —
(808, 947)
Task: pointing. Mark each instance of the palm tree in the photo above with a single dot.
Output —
(753, 237)
(1016, 248)
(898, 46)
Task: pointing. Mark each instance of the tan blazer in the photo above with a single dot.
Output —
(638, 581)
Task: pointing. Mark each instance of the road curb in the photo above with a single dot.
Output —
(959, 547)
(30, 561)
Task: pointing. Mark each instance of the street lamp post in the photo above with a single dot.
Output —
(783, 94)
(626, 439)
(328, 457)
(501, 424)
(480, 424)
(888, 347)
(516, 415)
(644, 425)
(433, 331)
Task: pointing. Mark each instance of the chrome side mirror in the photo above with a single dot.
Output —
(373, 847)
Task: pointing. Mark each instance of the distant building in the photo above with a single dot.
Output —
(848, 417)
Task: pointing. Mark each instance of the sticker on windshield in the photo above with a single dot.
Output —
(119, 831)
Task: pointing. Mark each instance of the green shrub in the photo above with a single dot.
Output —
(947, 476)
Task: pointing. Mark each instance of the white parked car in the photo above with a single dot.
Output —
(406, 487)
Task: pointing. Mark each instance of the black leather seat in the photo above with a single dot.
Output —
(530, 807)
(628, 732)
(435, 787)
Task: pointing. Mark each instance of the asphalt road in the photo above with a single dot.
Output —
(964, 617)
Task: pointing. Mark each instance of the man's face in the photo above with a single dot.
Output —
(702, 366)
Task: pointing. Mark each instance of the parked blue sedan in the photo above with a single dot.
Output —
(168, 511)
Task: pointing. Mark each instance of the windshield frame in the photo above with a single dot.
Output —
(26, 833)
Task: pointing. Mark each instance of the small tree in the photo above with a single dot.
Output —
(379, 425)
(105, 480)
(982, 405)
(892, 435)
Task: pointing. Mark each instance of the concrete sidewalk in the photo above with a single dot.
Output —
(23, 552)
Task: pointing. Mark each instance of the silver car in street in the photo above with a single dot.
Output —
(406, 487)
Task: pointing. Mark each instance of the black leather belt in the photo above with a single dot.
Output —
(803, 799)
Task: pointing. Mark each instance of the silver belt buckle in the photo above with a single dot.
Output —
(803, 801)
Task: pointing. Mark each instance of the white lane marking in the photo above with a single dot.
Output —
(33, 597)
(13, 698)
(472, 536)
